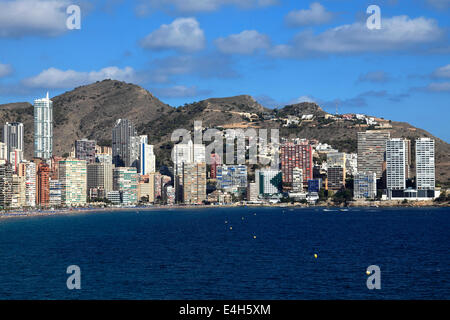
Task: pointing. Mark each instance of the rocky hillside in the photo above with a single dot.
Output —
(91, 111)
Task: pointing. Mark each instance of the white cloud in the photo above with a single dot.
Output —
(315, 15)
(192, 6)
(5, 70)
(397, 33)
(246, 42)
(442, 72)
(183, 34)
(20, 18)
(53, 78)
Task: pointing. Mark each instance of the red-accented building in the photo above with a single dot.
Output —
(43, 184)
(296, 155)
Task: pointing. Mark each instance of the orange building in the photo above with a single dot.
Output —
(43, 184)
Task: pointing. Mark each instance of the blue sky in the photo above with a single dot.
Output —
(278, 51)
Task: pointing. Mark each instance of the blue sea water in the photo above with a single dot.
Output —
(193, 254)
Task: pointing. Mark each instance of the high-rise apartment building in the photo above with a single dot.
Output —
(371, 151)
(28, 170)
(43, 184)
(99, 179)
(125, 144)
(125, 180)
(298, 155)
(85, 150)
(55, 192)
(43, 128)
(147, 159)
(365, 185)
(73, 178)
(425, 164)
(194, 183)
(13, 137)
(396, 164)
(6, 181)
(336, 177)
(18, 191)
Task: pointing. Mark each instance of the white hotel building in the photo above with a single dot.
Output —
(395, 164)
(425, 164)
(43, 128)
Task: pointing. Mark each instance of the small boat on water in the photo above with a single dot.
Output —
(344, 209)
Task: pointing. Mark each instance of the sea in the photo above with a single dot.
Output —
(250, 253)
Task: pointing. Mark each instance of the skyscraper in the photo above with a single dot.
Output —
(371, 151)
(28, 170)
(297, 155)
(43, 128)
(43, 184)
(125, 144)
(13, 137)
(425, 164)
(395, 164)
(5, 186)
(99, 179)
(194, 183)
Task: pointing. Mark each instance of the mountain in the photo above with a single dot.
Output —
(91, 111)
(300, 109)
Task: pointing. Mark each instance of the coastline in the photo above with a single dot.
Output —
(354, 204)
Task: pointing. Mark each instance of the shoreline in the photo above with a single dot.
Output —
(75, 211)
